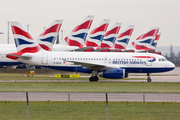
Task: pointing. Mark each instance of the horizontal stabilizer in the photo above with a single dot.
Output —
(101, 49)
(17, 55)
(83, 49)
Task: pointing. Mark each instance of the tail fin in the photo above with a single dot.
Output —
(144, 41)
(79, 33)
(155, 42)
(97, 34)
(123, 39)
(110, 36)
(47, 38)
(23, 40)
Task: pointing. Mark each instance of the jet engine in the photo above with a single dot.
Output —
(113, 73)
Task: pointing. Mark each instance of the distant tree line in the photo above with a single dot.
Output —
(172, 57)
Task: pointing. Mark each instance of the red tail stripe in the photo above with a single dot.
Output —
(113, 31)
(30, 50)
(72, 42)
(91, 44)
(150, 33)
(45, 47)
(101, 28)
(54, 28)
(117, 46)
(19, 31)
(104, 45)
(128, 32)
(85, 25)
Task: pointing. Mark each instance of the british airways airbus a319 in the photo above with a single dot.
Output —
(103, 64)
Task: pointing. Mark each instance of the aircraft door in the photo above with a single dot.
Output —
(149, 60)
(44, 58)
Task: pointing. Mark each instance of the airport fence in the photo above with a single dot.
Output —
(82, 105)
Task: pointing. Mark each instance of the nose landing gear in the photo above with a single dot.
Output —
(148, 77)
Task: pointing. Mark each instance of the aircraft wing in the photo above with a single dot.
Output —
(93, 66)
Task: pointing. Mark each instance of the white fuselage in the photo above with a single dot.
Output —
(132, 62)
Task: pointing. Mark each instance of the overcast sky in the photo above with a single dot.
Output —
(141, 13)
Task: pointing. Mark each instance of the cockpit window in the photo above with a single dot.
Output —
(162, 59)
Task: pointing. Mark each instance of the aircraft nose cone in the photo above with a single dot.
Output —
(171, 65)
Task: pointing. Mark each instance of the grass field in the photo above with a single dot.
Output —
(91, 87)
(89, 111)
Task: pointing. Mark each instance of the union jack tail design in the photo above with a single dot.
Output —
(110, 36)
(47, 38)
(79, 33)
(155, 41)
(123, 39)
(144, 41)
(23, 40)
(97, 34)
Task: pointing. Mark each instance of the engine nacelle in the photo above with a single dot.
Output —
(113, 73)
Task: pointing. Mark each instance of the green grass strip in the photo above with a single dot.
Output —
(89, 111)
(92, 87)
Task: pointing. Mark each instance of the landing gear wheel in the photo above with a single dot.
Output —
(93, 79)
(149, 79)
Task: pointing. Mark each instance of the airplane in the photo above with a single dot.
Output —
(113, 65)
(45, 40)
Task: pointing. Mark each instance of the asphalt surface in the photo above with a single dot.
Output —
(49, 96)
(172, 76)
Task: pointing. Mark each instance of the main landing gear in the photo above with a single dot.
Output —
(94, 77)
(148, 77)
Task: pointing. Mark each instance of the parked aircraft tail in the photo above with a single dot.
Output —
(123, 39)
(79, 33)
(144, 41)
(95, 37)
(47, 38)
(23, 40)
(110, 36)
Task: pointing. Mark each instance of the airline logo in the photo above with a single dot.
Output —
(95, 37)
(150, 59)
(47, 38)
(123, 39)
(144, 41)
(155, 41)
(79, 33)
(23, 39)
(110, 36)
